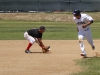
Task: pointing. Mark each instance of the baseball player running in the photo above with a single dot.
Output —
(35, 35)
(83, 22)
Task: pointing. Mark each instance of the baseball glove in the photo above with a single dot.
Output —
(47, 49)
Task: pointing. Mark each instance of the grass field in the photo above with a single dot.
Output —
(14, 30)
(91, 66)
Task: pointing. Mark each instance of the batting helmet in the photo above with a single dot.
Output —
(76, 12)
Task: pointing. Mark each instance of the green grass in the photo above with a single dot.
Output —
(14, 30)
(90, 66)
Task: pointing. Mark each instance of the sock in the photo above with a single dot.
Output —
(28, 47)
(82, 47)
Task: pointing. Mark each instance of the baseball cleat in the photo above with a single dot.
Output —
(93, 47)
(28, 51)
(84, 55)
(48, 48)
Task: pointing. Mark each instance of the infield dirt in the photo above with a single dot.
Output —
(60, 61)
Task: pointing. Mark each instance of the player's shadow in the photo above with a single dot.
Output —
(41, 52)
(36, 52)
(96, 56)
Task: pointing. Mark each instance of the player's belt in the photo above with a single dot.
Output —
(86, 29)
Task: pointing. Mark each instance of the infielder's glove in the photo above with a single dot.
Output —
(46, 49)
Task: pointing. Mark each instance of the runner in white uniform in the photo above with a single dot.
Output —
(83, 22)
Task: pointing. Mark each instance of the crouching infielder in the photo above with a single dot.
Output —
(35, 35)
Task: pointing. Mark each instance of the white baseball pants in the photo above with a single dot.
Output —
(85, 34)
(31, 39)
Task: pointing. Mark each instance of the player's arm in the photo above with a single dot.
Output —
(77, 29)
(90, 21)
(87, 24)
(41, 43)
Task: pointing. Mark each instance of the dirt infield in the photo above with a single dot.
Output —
(60, 61)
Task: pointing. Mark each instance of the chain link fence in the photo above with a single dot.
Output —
(48, 5)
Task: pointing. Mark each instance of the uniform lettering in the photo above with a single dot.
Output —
(80, 23)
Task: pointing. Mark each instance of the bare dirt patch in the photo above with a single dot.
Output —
(60, 61)
(42, 16)
(36, 17)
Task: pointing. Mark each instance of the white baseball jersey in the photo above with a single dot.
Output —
(84, 32)
(83, 20)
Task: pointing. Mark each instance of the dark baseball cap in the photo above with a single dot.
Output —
(42, 28)
(76, 12)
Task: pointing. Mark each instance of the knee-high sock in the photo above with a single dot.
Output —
(82, 47)
(28, 47)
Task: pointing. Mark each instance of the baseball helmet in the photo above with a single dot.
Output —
(76, 12)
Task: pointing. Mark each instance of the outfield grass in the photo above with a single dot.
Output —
(91, 66)
(14, 30)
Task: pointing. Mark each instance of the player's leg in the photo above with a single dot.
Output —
(31, 42)
(88, 36)
(81, 43)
